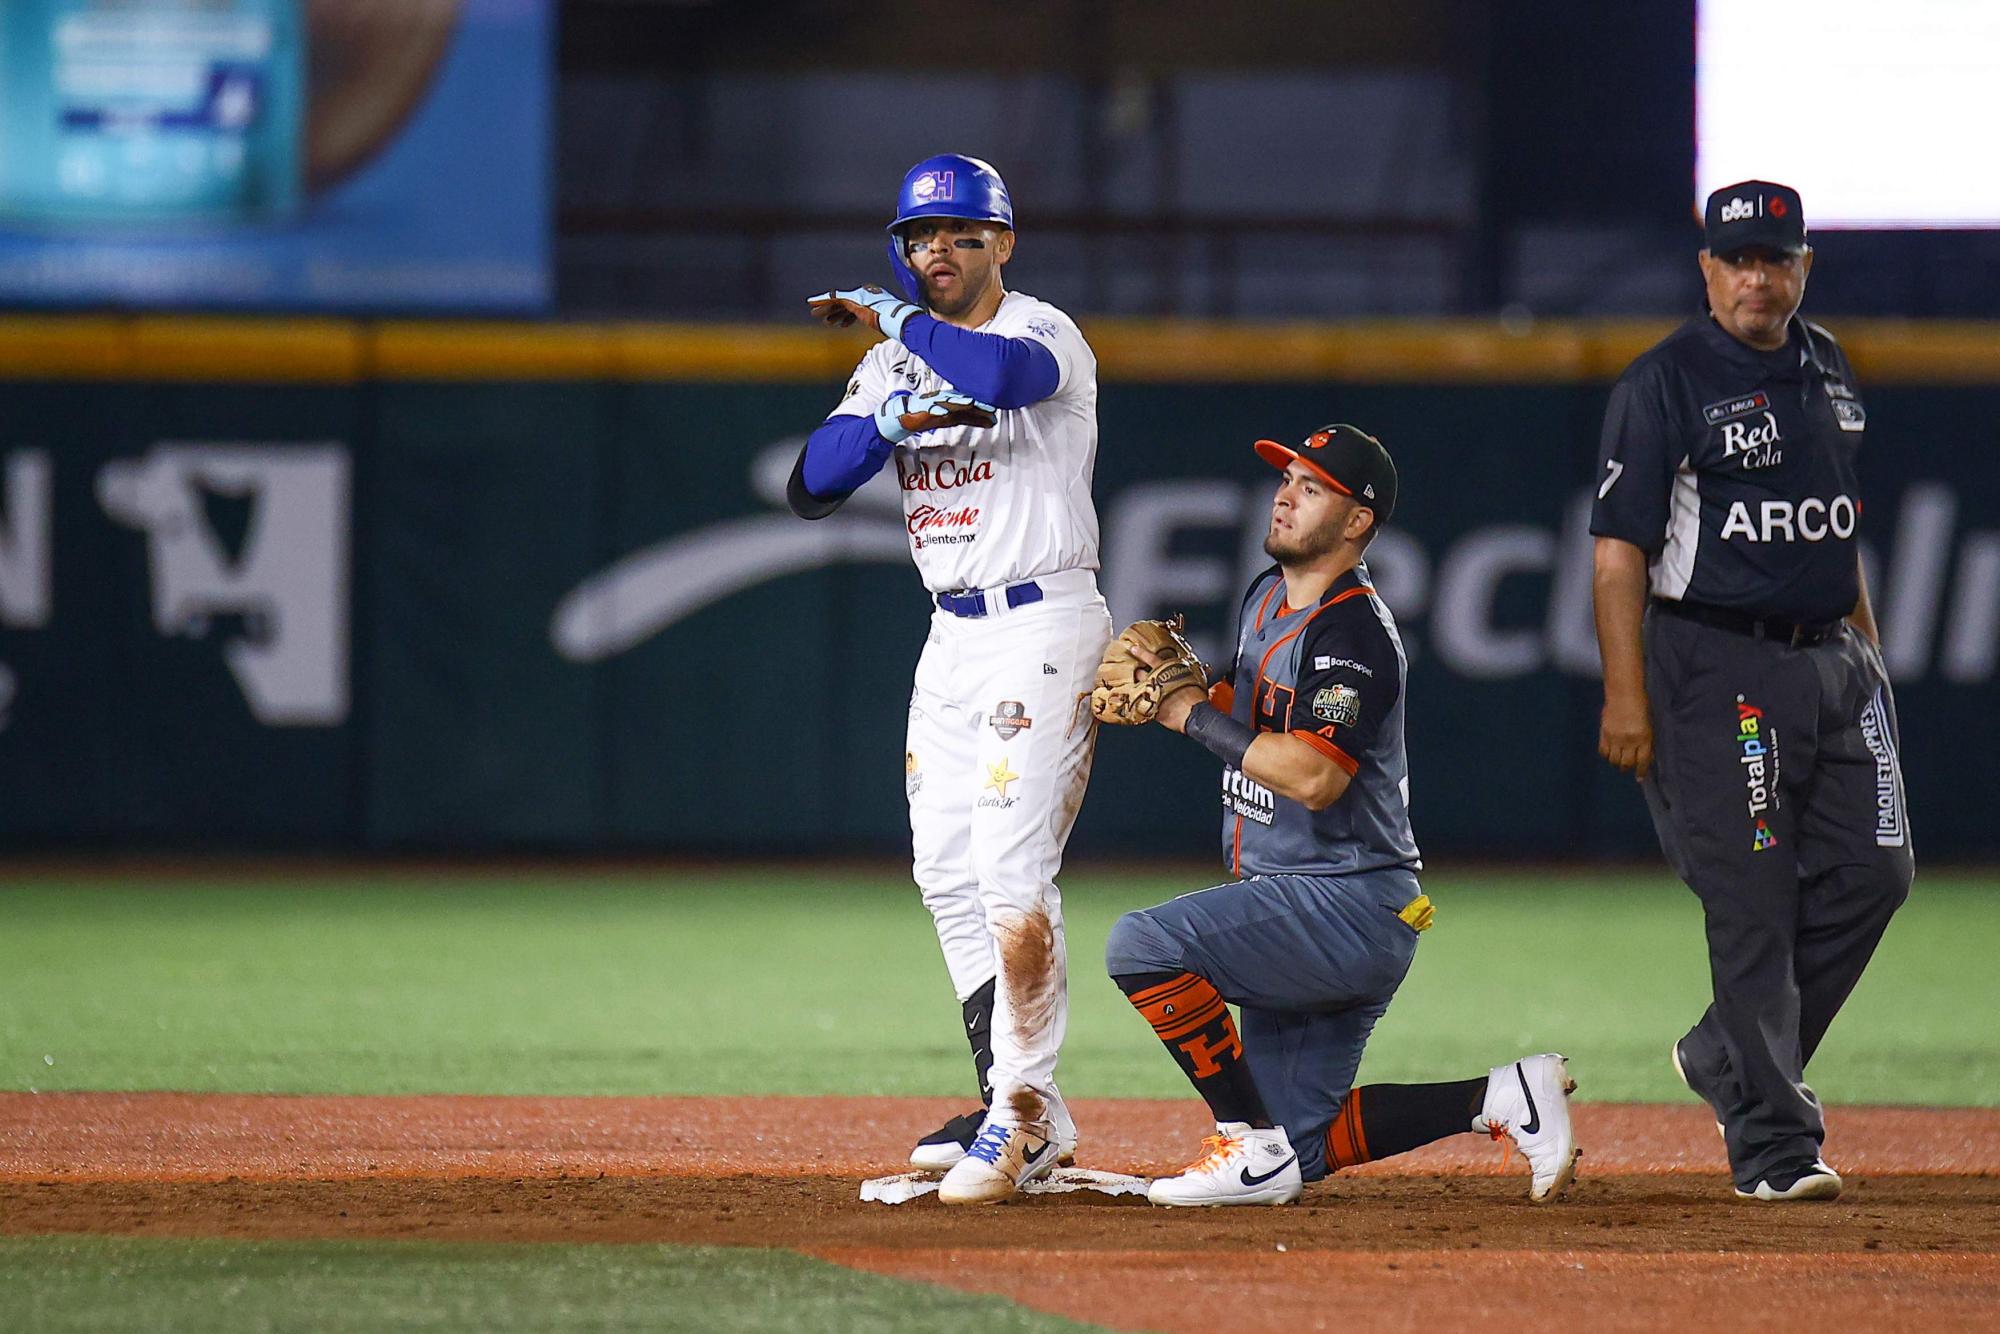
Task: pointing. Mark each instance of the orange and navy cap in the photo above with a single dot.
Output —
(1348, 459)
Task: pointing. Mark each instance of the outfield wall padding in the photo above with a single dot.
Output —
(358, 595)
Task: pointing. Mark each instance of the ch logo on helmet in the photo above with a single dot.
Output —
(931, 186)
(1738, 209)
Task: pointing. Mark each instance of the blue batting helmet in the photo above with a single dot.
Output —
(946, 186)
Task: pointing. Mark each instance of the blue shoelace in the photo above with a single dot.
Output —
(992, 1139)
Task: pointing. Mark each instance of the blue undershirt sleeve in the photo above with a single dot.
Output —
(842, 454)
(1006, 372)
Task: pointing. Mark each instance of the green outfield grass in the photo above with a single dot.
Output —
(799, 981)
(118, 1283)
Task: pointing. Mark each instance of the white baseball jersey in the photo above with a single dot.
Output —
(988, 506)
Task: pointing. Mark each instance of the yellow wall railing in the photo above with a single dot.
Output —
(324, 351)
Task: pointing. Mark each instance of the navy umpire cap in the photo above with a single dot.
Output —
(1754, 213)
(1348, 459)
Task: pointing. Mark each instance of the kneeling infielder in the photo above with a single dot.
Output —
(1316, 934)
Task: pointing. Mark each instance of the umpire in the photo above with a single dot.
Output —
(1742, 679)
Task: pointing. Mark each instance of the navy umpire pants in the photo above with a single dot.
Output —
(1311, 962)
(1778, 797)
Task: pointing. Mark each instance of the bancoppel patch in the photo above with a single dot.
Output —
(1326, 663)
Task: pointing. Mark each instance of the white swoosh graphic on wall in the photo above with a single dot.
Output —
(649, 590)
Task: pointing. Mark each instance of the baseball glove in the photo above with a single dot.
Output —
(1128, 691)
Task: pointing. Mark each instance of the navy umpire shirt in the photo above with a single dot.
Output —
(1734, 471)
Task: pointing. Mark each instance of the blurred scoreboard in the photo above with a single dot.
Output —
(1881, 114)
(306, 154)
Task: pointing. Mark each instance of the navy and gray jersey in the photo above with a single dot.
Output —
(1734, 471)
(1331, 675)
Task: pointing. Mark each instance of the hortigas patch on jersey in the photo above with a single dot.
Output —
(1339, 704)
(1010, 719)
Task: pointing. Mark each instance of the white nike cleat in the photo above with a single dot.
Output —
(1528, 1102)
(941, 1150)
(1001, 1160)
(1238, 1165)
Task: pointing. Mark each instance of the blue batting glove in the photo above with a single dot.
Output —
(903, 415)
(886, 311)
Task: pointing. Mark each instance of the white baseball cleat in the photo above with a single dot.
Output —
(1238, 1165)
(1528, 1102)
(1001, 1160)
(941, 1150)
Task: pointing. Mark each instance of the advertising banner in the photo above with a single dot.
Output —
(577, 615)
(295, 154)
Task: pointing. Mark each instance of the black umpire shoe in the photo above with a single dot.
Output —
(1801, 1181)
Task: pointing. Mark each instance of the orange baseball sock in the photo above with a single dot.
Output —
(1189, 1015)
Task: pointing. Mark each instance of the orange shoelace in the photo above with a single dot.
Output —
(1506, 1142)
(1215, 1150)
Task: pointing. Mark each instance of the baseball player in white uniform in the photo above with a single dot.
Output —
(986, 400)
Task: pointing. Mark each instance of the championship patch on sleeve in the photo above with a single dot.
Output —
(1338, 704)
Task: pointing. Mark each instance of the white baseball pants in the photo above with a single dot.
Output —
(999, 752)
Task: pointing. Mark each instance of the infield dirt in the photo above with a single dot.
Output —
(1650, 1237)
